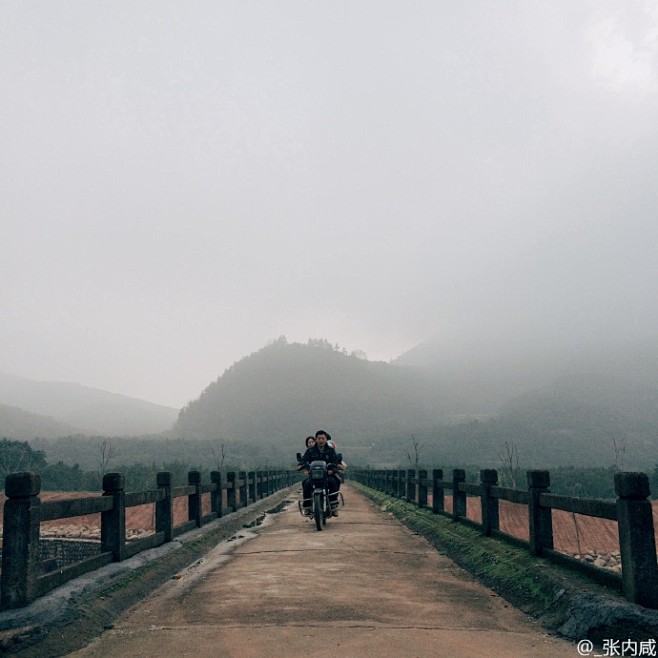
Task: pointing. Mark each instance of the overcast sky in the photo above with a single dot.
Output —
(182, 182)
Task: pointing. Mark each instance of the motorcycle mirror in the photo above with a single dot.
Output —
(299, 456)
(339, 457)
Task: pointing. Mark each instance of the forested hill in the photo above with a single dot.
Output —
(287, 390)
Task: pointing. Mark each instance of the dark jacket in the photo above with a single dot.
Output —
(328, 455)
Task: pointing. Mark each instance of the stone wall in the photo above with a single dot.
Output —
(58, 553)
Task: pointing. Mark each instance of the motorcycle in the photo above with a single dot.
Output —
(321, 506)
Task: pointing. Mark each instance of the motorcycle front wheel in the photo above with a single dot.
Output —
(317, 509)
(326, 512)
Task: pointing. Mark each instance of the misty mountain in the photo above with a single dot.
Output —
(483, 376)
(90, 410)
(600, 408)
(487, 375)
(21, 425)
(595, 404)
(286, 391)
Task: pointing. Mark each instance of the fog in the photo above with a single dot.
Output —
(181, 183)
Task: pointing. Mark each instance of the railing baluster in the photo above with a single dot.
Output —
(490, 514)
(20, 539)
(113, 521)
(164, 509)
(438, 496)
(540, 519)
(458, 497)
(636, 539)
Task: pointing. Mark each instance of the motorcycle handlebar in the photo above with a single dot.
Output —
(306, 465)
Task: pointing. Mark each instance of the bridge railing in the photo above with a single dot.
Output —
(631, 510)
(23, 577)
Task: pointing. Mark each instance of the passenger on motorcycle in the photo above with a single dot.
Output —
(321, 451)
(332, 444)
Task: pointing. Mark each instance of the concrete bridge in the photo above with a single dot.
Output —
(365, 586)
(223, 582)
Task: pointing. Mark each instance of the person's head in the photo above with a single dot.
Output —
(310, 441)
(321, 439)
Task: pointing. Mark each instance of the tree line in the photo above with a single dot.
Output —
(591, 482)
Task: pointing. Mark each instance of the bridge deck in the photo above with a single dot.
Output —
(365, 586)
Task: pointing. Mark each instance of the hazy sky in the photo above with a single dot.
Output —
(182, 182)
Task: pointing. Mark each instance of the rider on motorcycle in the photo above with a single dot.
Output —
(321, 451)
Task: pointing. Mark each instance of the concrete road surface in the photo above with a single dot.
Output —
(364, 586)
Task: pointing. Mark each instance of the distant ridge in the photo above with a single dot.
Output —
(20, 425)
(287, 390)
(83, 408)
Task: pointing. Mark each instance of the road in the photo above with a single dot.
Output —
(365, 586)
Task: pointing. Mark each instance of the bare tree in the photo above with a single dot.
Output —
(219, 457)
(416, 454)
(9, 463)
(619, 447)
(106, 456)
(19, 456)
(510, 463)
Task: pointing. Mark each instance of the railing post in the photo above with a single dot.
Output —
(402, 483)
(422, 488)
(194, 499)
(113, 521)
(164, 509)
(20, 539)
(231, 497)
(490, 514)
(540, 518)
(252, 486)
(259, 484)
(411, 485)
(216, 494)
(458, 497)
(637, 543)
(242, 477)
(438, 496)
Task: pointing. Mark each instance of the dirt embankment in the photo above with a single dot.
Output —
(574, 534)
(140, 520)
